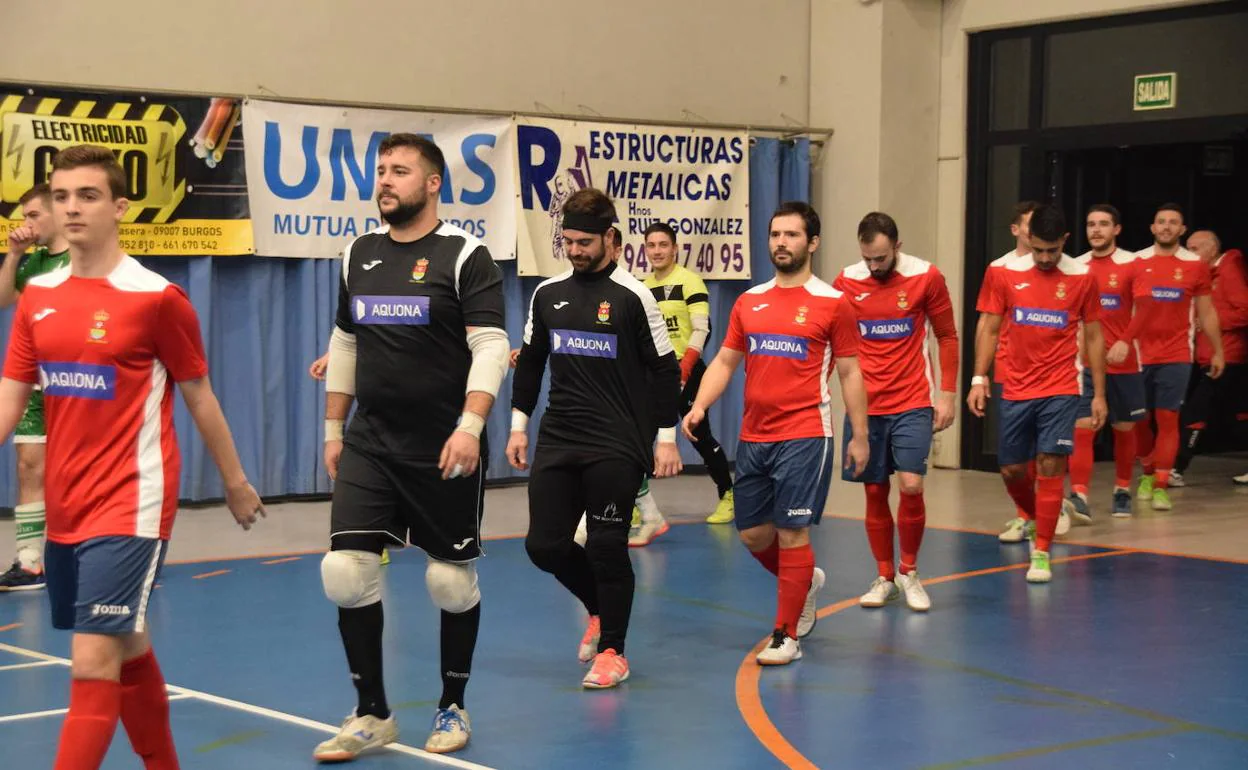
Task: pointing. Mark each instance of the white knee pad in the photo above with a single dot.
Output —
(453, 587)
(352, 578)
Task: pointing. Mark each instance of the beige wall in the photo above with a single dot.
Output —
(746, 62)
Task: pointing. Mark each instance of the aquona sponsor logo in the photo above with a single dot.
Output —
(74, 380)
(570, 342)
(1035, 316)
(375, 309)
(886, 329)
(1111, 301)
(782, 345)
(1167, 294)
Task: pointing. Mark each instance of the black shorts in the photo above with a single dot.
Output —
(410, 503)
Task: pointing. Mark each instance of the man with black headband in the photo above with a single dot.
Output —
(419, 343)
(614, 382)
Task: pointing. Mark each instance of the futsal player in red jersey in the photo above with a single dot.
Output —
(1047, 295)
(895, 296)
(107, 339)
(790, 331)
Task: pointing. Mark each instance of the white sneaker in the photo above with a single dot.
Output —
(912, 589)
(1040, 571)
(881, 592)
(1241, 480)
(582, 532)
(810, 612)
(782, 650)
(1176, 480)
(1016, 530)
(451, 731)
(358, 734)
(643, 535)
(1063, 521)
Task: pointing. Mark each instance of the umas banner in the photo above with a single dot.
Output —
(695, 180)
(182, 155)
(312, 173)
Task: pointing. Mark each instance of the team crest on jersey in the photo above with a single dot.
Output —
(98, 332)
(1061, 290)
(1178, 274)
(1113, 281)
(801, 315)
(604, 312)
(902, 303)
(419, 269)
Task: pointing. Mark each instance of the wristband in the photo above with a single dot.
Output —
(667, 435)
(979, 379)
(471, 423)
(333, 430)
(519, 421)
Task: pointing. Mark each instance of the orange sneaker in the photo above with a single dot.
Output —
(609, 669)
(589, 642)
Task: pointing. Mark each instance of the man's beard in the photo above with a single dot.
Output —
(796, 263)
(404, 211)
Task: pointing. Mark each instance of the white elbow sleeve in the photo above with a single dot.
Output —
(701, 330)
(340, 370)
(490, 352)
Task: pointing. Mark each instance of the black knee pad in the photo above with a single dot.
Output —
(372, 542)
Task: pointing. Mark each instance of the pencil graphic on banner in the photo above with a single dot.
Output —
(224, 140)
(201, 134)
(219, 118)
(218, 112)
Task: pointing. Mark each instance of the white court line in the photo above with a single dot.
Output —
(35, 664)
(281, 716)
(54, 712)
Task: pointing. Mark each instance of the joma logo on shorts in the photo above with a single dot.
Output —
(798, 512)
(109, 609)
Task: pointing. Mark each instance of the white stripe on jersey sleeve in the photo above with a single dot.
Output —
(471, 242)
(346, 252)
(151, 459)
(50, 279)
(658, 327)
(528, 324)
(818, 288)
(762, 288)
(131, 276)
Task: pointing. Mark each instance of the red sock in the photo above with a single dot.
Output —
(1167, 446)
(1023, 493)
(880, 528)
(1144, 444)
(145, 712)
(1124, 457)
(1081, 460)
(94, 705)
(911, 520)
(1048, 506)
(797, 569)
(769, 557)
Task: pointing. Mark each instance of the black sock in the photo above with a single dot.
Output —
(573, 572)
(717, 465)
(361, 637)
(459, 639)
(613, 572)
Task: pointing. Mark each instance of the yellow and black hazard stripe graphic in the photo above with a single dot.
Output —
(144, 137)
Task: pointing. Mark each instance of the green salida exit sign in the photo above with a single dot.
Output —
(1156, 91)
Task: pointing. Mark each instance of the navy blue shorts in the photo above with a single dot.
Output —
(1036, 426)
(782, 482)
(1165, 385)
(899, 442)
(103, 585)
(1124, 394)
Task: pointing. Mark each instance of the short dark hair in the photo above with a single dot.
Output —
(617, 240)
(875, 224)
(661, 227)
(1171, 206)
(1022, 209)
(802, 209)
(423, 145)
(1048, 223)
(41, 190)
(1105, 208)
(591, 202)
(82, 155)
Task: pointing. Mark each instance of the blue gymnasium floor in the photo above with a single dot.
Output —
(1129, 659)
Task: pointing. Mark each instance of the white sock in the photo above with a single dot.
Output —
(649, 508)
(31, 524)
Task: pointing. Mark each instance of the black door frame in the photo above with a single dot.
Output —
(1037, 143)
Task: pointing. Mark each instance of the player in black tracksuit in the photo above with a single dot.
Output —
(614, 385)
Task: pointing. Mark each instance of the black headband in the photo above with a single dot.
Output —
(586, 223)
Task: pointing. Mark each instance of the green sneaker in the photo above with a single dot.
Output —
(724, 512)
(1144, 491)
(1040, 571)
(1161, 500)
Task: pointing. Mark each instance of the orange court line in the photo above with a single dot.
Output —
(282, 561)
(10, 627)
(750, 700)
(211, 574)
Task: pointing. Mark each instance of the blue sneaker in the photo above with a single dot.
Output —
(1079, 510)
(451, 731)
(18, 578)
(1122, 504)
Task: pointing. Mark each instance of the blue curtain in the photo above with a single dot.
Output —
(264, 320)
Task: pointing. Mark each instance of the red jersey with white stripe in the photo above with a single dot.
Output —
(1230, 298)
(1046, 309)
(893, 322)
(1115, 281)
(1000, 362)
(107, 352)
(1165, 286)
(790, 337)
